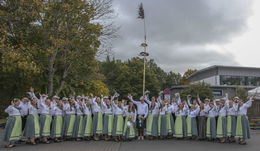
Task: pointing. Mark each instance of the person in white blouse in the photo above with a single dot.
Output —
(97, 117)
(231, 119)
(242, 127)
(180, 125)
(129, 126)
(162, 119)
(45, 120)
(211, 121)
(32, 126)
(192, 131)
(118, 125)
(108, 117)
(87, 121)
(142, 112)
(152, 118)
(69, 117)
(57, 122)
(13, 128)
(77, 131)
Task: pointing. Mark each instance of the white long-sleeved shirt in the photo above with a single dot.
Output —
(211, 111)
(79, 108)
(155, 110)
(57, 111)
(118, 110)
(106, 109)
(68, 109)
(24, 108)
(232, 110)
(242, 110)
(86, 109)
(222, 111)
(142, 108)
(163, 110)
(181, 112)
(133, 116)
(13, 111)
(193, 113)
(45, 109)
(95, 107)
(32, 109)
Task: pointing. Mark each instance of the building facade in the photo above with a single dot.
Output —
(224, 79)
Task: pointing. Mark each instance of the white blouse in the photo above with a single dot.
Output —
(13, 111)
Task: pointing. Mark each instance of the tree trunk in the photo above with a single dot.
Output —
(51, 71)
(65, 73)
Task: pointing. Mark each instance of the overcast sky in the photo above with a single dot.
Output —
(185, 34)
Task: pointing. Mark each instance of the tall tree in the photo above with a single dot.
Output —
(185, 80)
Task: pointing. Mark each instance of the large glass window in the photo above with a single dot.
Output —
(239, 80)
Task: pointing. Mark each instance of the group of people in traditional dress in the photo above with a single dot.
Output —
(46, 119)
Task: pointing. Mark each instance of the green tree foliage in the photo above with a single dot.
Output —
(184, 80)
(241, 93)
(200, 89)
(127, 77)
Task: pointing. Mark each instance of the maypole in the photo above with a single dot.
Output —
(144, 44)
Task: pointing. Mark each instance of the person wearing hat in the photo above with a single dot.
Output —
(152, 118)
(32, 126)
(69, 118)
(118, 125)
(13, 128)
(142, 112)
(97, 117)
(129, 126)
(242, 127)
(57, 122)
(87, 120)
(108, 117)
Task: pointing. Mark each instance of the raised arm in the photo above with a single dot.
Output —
(146, 99)
(131, 99)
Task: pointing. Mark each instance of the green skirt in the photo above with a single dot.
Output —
(118, 125)
(68, 125)
(87, 125)
(108, 124)
(152, 125)
(162, 125)
(231, 125)
(129, 129)
(191, 126)
(32, 126)
(211, 127)
(13, 129)
(222, 127)
(45, 125)
(178, 127)
(77, 130)
(97, 123)
(56, 130)
(242, 127)
(169, 124)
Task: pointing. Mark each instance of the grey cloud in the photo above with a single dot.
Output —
(179, 30)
